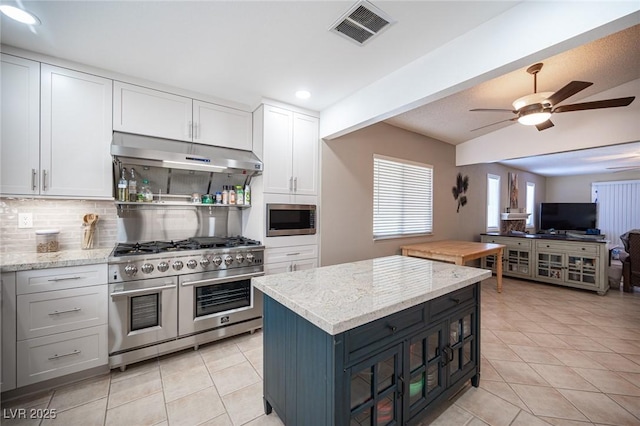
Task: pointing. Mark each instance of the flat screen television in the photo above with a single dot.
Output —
(568, 216)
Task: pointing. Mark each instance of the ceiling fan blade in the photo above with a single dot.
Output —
(623, 168)
(493, 110)
(607, 103)
(497, 122)
(567, 91)
(544, 126)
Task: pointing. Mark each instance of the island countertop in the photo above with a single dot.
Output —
(341, 297)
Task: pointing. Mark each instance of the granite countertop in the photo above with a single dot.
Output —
(11, 262)
(342, 297)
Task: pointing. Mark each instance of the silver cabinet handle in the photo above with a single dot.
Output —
(291, 183)
(295, 184)
(191, 129)
(293, 254)
(34, 179)
(76, 277)
(141, 291)
(221, 280)
(196, 130)
(74, 352)
(64, 312)
(44, 180)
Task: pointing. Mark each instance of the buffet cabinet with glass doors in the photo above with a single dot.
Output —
(394, 370)
(556, 260)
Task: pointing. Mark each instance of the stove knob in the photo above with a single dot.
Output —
(163, 266)
(217, 261)
(204, 262)
(147, 268)
(130, 270)
(177, 265)
(250, 257)
(228, 260)
(191, 264)
(239, 258)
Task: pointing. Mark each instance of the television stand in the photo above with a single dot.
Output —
(553, 258)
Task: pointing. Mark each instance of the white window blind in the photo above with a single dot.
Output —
(531, 196)
(493, 202)
(402, 197)
(618, 207)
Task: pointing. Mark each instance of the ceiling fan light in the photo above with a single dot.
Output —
(534, 118)
(534, 98)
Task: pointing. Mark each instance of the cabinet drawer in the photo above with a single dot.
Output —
(42, 314)
(508, 241)
(39, 280)
(567, 247)
(47, 357)
(451, 300)
(287, 254)
(362, 340)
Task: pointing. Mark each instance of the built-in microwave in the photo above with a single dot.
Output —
(291, 219)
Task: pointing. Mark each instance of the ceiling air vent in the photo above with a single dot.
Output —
(362, 22)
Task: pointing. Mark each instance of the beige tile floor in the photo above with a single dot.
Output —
(551, 355)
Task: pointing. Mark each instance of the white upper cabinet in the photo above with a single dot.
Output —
(305, 154)
(154, 113)
(151, 112)
(76, 133)
(290, 152)
(56, 131)
(20, 147)
(221, 126)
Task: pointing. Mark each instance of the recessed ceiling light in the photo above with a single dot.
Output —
(19, 15)
(303, 94)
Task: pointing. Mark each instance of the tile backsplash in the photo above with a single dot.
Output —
(65, 215)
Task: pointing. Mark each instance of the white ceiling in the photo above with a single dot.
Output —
(244, 51)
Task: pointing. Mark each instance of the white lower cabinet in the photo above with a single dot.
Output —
(8, 373)
(53, 356)
(289, 259)
(61, 321)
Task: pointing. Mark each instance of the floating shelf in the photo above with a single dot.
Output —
(514, 216)
(179, 203)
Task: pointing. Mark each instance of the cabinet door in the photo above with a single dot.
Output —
(462, 349)
(8, 328)
(583, 269)
(20, 147)
(221, 126)
(517, 262)
(375, 387)
(426, 368)
(550, 266)
(151, 112)
(76, 133)
(278, 173)
(305, 154)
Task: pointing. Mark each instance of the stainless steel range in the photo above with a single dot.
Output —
(168, 295)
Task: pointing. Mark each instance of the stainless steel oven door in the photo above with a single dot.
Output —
(217, 299)
(142, 313)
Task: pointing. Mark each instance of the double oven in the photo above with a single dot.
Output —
(166, 295)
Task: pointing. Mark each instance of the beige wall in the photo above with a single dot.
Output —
(577, 189)
(347, 192)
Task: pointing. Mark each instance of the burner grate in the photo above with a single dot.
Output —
(194, 243)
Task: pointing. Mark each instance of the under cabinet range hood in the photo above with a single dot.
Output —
(167, 153)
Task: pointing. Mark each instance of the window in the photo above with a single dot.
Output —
(402, 197)
(531, 196)
(493, 202)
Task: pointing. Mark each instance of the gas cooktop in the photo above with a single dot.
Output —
(194, 243)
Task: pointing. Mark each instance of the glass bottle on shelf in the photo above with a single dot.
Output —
(123, 187)
(133, 186)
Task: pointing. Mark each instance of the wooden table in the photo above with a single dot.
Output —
(458, 252)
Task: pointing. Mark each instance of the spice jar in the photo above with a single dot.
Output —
(47, 240)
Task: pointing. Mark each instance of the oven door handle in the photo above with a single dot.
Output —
(141, 291)
(223, 279)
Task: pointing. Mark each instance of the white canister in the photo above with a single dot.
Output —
(47, 240)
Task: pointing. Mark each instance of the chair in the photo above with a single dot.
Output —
(631, 265)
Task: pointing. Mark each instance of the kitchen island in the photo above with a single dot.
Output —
(379, 341)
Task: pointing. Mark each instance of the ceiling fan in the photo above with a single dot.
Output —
(536, 109)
